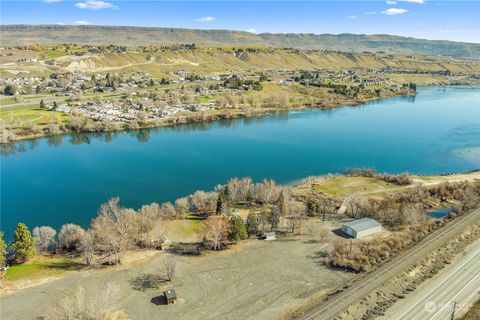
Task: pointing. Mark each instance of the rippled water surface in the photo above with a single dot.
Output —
(52, 181)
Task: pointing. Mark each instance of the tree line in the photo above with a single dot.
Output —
(117, 229)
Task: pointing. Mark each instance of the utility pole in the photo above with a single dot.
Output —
(452, 317)
(324, 211)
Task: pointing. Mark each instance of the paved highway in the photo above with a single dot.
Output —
(435, 298)
(401, 262)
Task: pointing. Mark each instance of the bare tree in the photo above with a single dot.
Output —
(246, 189)
(146, 219)
(323, 234)
(296, 215)
(240, 190)
(203, 202)
(95, 302)
(78, 123)
(217, 228)
(170, 266)
(413, 215)
(5, 135)
(53, 126)
(310, 228)
(266, 191)
(88, 248)
(233, 190)
(181, 206)
(168, 211)
(112, 229)
(70, 237)
(44, 238)
(354, 206)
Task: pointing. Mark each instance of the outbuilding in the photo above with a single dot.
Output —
(267, 235)
(170, 296)
(361, 227)
(270, 236)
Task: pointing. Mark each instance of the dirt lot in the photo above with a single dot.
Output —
(254, 280)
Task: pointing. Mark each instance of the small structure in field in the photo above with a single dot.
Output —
(270, 236)
(267, 235)
(361, 227)
(170, 296)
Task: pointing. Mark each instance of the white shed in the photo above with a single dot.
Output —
(361, 227)
(270, 236)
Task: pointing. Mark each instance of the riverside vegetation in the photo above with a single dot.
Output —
(283, 209)
(233, 213)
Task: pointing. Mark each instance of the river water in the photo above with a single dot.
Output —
(52, 181)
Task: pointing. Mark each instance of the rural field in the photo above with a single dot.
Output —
(255, 279)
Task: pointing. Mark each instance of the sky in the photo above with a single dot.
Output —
(426, 19)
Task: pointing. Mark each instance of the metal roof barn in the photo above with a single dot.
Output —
(361, 227)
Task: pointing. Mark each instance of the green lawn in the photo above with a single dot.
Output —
(42, 267)
(342, 186)
(28, 114)
(185, 230)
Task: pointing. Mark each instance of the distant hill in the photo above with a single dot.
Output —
(12, 35)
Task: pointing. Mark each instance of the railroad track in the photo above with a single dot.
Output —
(401, 262)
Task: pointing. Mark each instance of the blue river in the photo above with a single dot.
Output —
(63, 179)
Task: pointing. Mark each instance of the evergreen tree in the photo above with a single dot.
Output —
(9, 90)
(3, 250)
(228, 193)
(23, 244)
(238, 230)
(312, 208)
(42, 104)
(252, 223)
(274, 218)
(282, 203)
(222, 203)
(264, 217)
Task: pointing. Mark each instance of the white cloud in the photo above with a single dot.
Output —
(51, 1)
(352, 17)
(251, 30)
(206, 19)
(370, 13)
(394, 11)
(391, 2)
(81, 23)
(60, 23)
(95, 5)
(414, 1)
